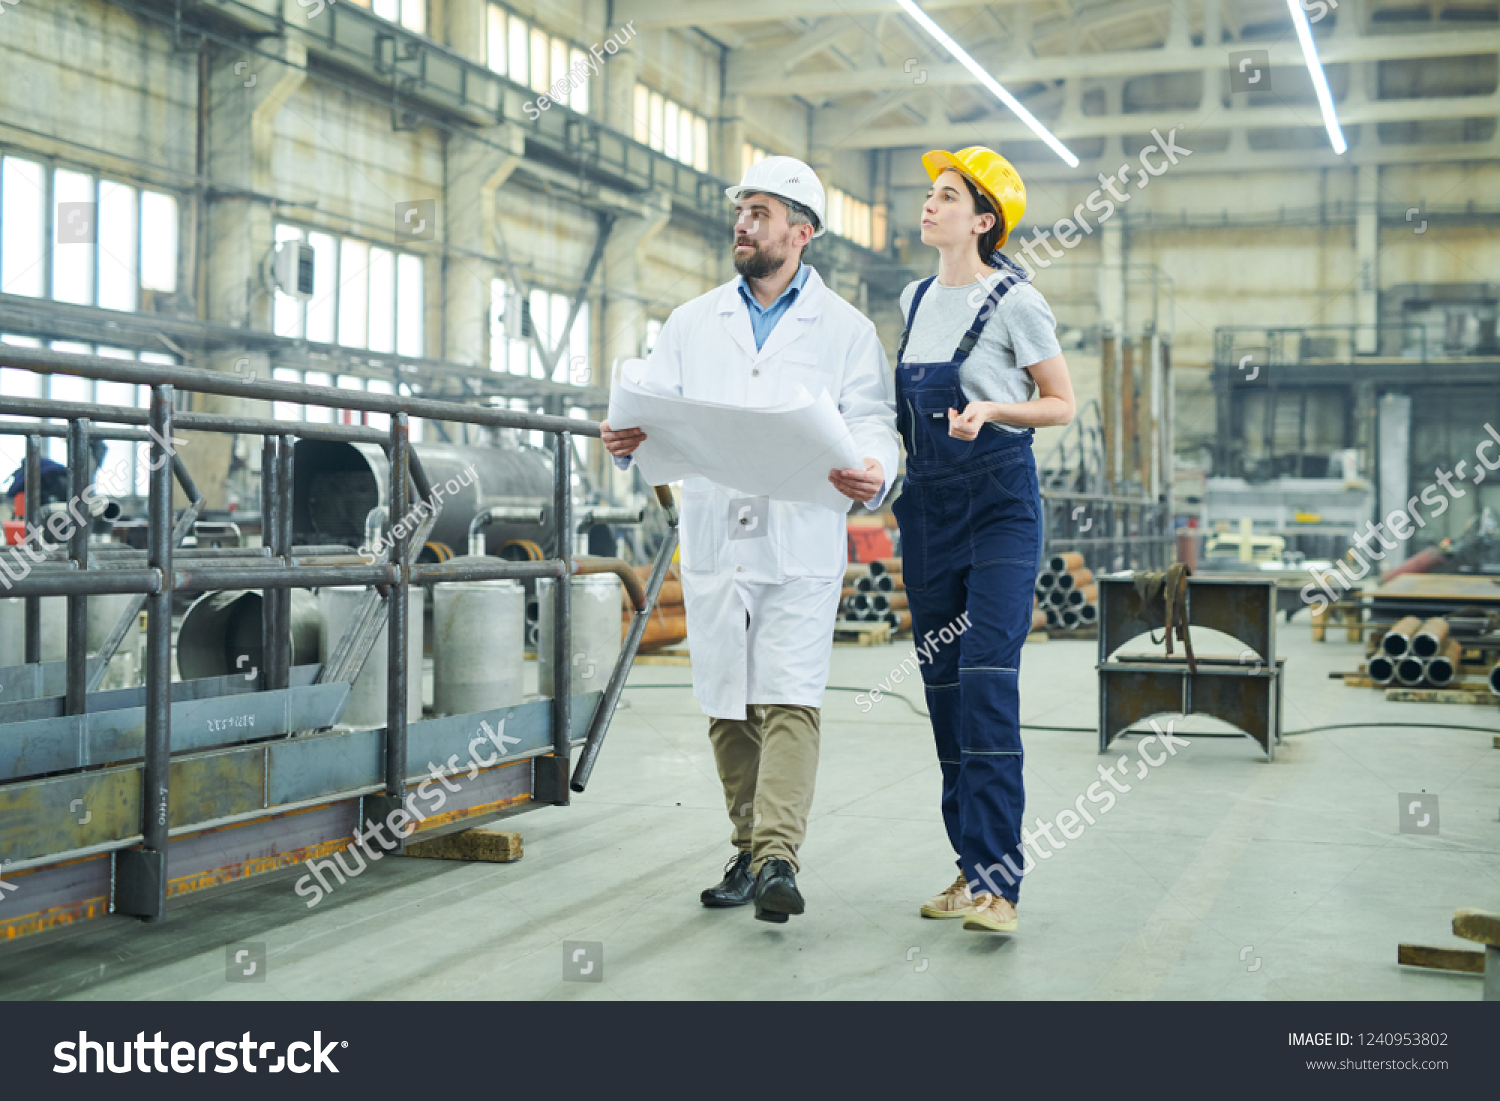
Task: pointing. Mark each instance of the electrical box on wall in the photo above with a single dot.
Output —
(293, 269)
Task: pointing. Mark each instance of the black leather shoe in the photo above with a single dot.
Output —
(737, 887)
(776, 893)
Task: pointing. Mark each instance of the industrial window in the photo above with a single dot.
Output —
(751, 154)
(668, 127)
(364, 296)
(411, 14)
(512, 320)
(125, 469)
(848, 217)
(112, 245)
(323, 414)
(531, 57)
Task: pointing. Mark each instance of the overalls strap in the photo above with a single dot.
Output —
(990, 304)
(916, 300)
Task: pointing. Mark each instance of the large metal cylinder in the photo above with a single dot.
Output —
(1442, 668)
(367, 701)
(337, 484)
(477, 661)
(104, 611)
(1411, 671)
(221, 633)
(1431, 638)
(597, 600)
(13, 629)
(1397, 641)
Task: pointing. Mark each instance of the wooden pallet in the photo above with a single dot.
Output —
(674, 657)
(1090, 634)
(1439, 695)
(857, 632)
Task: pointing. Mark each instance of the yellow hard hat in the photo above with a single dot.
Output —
(991, 173)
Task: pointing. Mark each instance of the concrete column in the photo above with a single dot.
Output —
(1393, 451)
(727, 160)
(623, 311)
(1213, 25)
(242, 110)
(1072, 108)
(1112, 275)
(1367, 251)
(1179, 33)
(241, 135)
(617, 89)
(1365, 416)
(476, 168)
(1112, 324)
(1114, 144)
(465, 24)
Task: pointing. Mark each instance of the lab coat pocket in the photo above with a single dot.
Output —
(703, 526)
(810, 541)
(805, 370)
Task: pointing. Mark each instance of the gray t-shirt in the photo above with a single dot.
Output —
(1020, 332)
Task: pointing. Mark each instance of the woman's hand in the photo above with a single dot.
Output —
(966, 425)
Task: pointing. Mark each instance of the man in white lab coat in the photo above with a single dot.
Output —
(761, 577)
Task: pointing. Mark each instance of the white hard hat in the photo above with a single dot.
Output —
(786, 178)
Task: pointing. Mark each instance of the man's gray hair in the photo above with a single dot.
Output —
(796, 213)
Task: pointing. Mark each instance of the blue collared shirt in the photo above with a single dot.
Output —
(763, 318)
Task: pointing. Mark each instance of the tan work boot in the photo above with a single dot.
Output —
(992, 913)
(954, 902)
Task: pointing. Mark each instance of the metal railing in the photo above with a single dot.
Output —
(1111, 526)
(278, 567)
(1323, 344)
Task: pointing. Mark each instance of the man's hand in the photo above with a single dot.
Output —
(966, 425)
(621, 443)
(859, 485)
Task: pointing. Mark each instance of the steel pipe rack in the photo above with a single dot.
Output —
(256, 778)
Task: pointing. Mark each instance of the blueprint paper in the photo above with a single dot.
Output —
(783, 452)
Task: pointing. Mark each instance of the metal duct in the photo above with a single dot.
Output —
(479, 629)
(221, 628)
(337, 484)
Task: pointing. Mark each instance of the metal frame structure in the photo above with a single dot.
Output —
(1083, 511)
(1246, 694)
(284, 798)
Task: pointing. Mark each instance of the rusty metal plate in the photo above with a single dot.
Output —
(216, 785)
(67, 813)
(61, 894)
(1244, 609)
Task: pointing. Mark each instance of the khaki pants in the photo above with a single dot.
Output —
(767, 764)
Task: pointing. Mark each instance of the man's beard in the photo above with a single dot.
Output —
(759, 263)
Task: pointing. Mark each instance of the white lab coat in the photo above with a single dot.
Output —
(788, 581)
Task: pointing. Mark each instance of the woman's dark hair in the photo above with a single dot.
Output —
(989, 240)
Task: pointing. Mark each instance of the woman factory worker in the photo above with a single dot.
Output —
(978, 370)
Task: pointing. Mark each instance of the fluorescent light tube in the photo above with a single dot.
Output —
(962, 57)
(1315, 70)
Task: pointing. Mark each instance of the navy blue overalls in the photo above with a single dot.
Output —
(970, 543)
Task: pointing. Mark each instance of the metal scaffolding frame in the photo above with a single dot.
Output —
(140, 871)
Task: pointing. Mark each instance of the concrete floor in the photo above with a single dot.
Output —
(1217, 876)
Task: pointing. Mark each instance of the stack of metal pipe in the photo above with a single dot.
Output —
(873, 593)
(1066, 594)
(1416, 652)
(668, 623)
